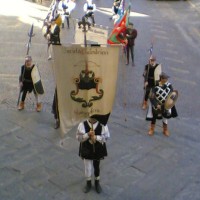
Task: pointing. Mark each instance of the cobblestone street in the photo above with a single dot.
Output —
(36, 163)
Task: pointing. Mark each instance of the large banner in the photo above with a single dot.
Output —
(86, 81)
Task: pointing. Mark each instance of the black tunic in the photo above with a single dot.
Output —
(149, 74)
(90, 151)
(25, 78)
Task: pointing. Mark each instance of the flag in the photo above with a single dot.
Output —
(86, 82)
(116, 36)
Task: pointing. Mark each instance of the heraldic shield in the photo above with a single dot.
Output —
(87, 81)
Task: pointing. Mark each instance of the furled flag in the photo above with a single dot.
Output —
(116, 36)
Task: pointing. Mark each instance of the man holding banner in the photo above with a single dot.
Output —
(92, 137)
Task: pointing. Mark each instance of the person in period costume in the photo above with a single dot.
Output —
(131, 34)
(92, 137)
(157, 108)
(53, 12)
(89, 9)
(84, 23)
(53, 35)
(67, 7)
(149, 79)
(115, 8)
(26, 84)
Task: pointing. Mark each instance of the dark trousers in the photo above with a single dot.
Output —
(147, 92)
(128, 50)
(116, 9)
(67, 18)
(91, 15)
(24, 93)
(96, 165)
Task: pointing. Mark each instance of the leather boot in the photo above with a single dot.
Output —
(38, 107)
(151, 129)
(98, 186)
(21, 105)
(87, 187)
(144, 105)
(165, 130)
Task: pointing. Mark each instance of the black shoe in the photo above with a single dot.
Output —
(87, 187)
(57, 124)
(98, 186)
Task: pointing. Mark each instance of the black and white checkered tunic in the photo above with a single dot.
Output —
(161, 93)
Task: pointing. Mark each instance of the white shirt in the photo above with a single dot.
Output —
(81, 135)
(85, 7)
(71, 5)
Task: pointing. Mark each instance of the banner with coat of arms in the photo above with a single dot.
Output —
(86, 81)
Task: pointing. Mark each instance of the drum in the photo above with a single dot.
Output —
(171, 100)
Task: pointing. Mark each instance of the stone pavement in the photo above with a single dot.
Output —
(37, 164)
(195, 4)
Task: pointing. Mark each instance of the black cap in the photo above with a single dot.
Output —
(163, 75)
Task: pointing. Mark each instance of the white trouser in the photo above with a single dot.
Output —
(88, 168)
(37, 98)
(165, 120)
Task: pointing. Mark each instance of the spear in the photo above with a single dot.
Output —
(150, 50)
(30, 34)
